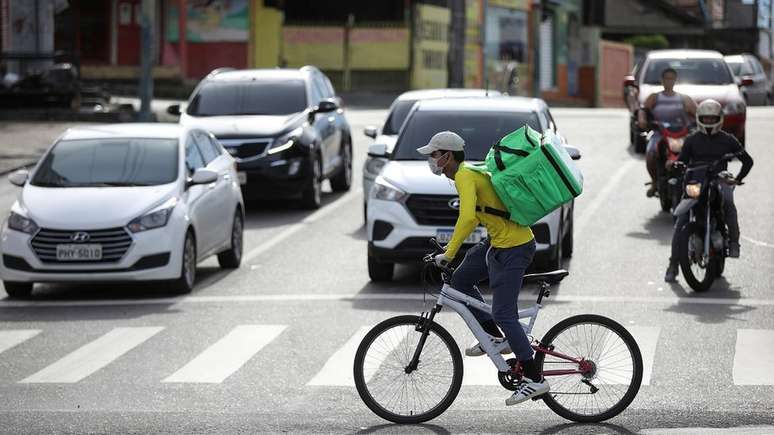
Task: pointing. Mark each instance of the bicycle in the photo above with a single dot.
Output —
(408, 369)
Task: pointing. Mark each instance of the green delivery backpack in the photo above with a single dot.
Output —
(532, 175)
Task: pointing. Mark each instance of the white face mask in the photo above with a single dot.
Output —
(435, 167)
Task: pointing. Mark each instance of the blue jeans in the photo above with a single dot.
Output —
(505, 268)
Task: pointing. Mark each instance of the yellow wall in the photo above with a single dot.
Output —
(379, 48)
(310, 45)
(431, 47)
(267, 33)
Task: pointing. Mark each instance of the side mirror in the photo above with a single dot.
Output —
(371, 131)
(630, 81)
(325, 106)
(574, 152)
(747, 81)
(203, 176)
(19, 178)
(174, 109)
(377, 150)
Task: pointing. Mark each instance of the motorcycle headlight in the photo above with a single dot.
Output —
(374, 165)
(693, 190)
(675, 144)
(20, 223)
(285, 141)
(384, 191)
(156, 218)
(734, 108)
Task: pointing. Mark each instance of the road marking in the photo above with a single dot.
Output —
(305, 297)
(227, 355)
(758, 242)
(740, 430)
(9, 339)
(337, 371)
(602, 196)
(93, 356)
(292, 229)
(754, 357)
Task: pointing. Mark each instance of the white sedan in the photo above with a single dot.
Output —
(124, 202)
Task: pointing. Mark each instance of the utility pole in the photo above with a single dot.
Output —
(146, 59)
(483, 44)
(456, 59)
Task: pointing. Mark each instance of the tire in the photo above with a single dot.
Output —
(638, 142)
(18, 290)
(594, 352)
(232, 258)
(311, 197)
(769, 100)
(555, 260)
(568, 240)
(720, 266)
(185, 283)
(342, 181)
(400, 350)
(380, 272)
(699, 284)
(365, 213)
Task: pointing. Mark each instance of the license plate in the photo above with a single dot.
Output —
(78, 252)
(444, 236)
(242, 176)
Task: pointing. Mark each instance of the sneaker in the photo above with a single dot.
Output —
(733, 250)
(477, 350)
(528, 389)
(671, 273)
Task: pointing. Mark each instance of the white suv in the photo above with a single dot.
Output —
(408, 204)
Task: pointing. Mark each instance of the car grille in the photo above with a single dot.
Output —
(115, 242)
(242, 149)
(432, 210)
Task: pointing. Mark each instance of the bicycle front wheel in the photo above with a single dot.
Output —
(594, 368)
(382, 380)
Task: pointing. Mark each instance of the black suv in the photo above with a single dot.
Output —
(285, 128)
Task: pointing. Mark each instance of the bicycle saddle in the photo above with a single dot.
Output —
(550, 277)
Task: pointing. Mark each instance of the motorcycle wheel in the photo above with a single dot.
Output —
(720, 266)
(699, 278)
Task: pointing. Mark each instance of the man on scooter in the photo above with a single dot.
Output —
(665, 106)
(706, 145)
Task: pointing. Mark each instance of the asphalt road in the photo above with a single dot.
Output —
(268, 347)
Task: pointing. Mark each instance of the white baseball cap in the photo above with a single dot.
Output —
(443, 141)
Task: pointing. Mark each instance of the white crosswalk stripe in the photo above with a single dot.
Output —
(93, 356)
(9, 339)
(337, 371)
(227, 355)
(754, 357)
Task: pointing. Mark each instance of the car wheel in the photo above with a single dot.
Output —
(365, 213)
(232, 258)
(555, 260)
(185, 283)
(380, 272)
(311, 197)
(343, 180)
(769, 100)
(18, 290)
(567, 241)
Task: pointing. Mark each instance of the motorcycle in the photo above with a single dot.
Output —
(672, 138)
(703, 240)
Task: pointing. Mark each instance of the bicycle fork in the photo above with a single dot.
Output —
(424, 328)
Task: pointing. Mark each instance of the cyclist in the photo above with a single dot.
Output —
(708, 144)
(503, 257)
(666, 106)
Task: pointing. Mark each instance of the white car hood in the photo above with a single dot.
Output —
(415, 177)
(90, 208)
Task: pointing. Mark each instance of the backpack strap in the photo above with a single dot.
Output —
(494, 211)
(499, 149)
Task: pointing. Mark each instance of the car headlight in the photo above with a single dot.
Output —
(286, 141)
(156, 218)
(374, 165)
(385, 192)
(734, 108)
(20, 223)
(693, 190)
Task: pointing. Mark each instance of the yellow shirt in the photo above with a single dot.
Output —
(475, 189)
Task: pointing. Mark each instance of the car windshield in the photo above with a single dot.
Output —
(736, 67)
(690, 71)
(259, 97)
(480, 130)
(397, 116)
(109, 162)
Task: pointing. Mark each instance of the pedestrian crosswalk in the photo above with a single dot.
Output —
(218, 360)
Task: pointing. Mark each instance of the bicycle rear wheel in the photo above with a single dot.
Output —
(610, 366)
(381, 378)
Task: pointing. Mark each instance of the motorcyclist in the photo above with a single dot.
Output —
(707, 145)
(665, 106)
